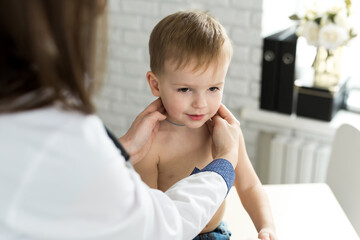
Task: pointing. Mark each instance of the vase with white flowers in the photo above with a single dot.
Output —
(328, 26)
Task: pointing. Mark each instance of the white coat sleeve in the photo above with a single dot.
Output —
(84, 193)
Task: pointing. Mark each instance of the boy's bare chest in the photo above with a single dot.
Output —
(179, 157)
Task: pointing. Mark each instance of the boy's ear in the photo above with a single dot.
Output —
(153, 83)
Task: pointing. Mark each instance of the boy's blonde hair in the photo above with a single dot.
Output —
(185, 36)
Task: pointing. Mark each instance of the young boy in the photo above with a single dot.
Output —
(189, 57)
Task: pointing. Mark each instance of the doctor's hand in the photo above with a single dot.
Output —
(225, 131)
(138, 139)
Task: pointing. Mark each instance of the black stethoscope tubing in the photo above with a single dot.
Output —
(117, 144)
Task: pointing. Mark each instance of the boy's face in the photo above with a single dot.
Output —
(190, 98)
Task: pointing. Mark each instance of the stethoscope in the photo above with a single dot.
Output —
(117, 144)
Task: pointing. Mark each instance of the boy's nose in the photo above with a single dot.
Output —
(199, 101)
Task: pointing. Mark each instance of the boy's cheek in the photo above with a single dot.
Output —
(215, 110)
(218, 103)
(173, 106)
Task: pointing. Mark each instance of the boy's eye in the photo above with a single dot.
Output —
(183, 89)
(213, 89)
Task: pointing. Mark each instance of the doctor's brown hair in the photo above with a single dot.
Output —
(185, 36)
(47, 53)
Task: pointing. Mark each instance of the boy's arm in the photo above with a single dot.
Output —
(252, 195)
(147, 168)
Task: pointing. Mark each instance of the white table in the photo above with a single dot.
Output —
(301, 212)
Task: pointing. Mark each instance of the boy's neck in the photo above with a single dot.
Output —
(175, 127)
(178, 125)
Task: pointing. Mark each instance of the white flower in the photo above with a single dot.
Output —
(311, 32)
(332, 36)
(317, 7)
(342, 20)
(335, 5)
(327, 23)
(311, 14)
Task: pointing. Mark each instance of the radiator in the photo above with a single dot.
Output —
(296, 160)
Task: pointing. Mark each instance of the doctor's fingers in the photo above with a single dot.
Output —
(154, 106)
(210, 125)
(224, 113)
(154, 118)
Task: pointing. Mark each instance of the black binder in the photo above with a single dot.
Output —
(270, 69)
(320, 103)
(286, 74)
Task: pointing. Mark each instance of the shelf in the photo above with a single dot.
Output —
(301, 123)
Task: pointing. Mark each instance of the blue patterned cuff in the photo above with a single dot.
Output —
(222, 167)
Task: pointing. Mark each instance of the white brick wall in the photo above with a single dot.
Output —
(125, 92)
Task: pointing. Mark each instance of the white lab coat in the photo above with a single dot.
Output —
(61, 177)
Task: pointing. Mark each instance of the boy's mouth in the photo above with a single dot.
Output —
(196, 117)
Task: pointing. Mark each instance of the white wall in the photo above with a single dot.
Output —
(276, 14)
(126, 92)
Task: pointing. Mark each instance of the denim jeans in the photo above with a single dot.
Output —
(219, 233)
